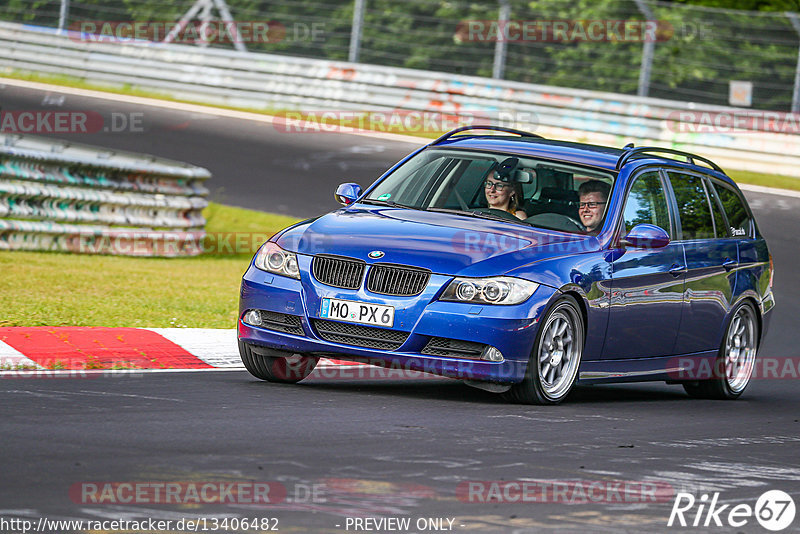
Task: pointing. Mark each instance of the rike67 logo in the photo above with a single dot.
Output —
(774, 510)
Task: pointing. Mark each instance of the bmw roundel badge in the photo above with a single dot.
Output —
(376, 254)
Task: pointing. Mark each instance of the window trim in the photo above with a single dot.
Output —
(712, 192)
(620, 230)
(710, 205)
(752, 229)
(673, 204)
(703, 178)
(601, 172)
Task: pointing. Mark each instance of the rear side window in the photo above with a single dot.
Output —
(738, 216)
(647, 203)
(693, 207)
(719, 220)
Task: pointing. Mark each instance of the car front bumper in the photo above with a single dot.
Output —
(510, 329)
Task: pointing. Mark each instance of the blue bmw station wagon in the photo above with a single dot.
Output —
(522, 266)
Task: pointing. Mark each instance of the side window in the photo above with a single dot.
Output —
(733, 205)
(719, 220)
(647, 203)
(695, 213)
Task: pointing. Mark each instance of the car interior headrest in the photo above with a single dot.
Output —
(549, 177)
(555, 193)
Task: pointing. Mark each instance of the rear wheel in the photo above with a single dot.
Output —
(735, 361)
(553, 366)
(288, 370)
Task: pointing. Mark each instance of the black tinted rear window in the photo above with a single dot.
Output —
(693, 207)
(738, 216)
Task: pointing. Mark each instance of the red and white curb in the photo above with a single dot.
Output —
(120, 349)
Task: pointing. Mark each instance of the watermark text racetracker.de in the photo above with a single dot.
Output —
(563, 491)
(581, 30)
(699, 121)
(194, 492)
(70, 122)
(400, 121)
(564, 31)
(194, 32)
(692, 368)
(59, 367)
(147, 243)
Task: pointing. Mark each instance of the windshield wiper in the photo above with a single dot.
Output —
(390, 203)
(478, 214)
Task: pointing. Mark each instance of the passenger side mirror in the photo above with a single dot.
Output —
(646, 236)
(347, 193)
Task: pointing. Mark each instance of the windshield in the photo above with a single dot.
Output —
(518, 189)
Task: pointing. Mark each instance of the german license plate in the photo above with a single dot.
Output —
(357, 312)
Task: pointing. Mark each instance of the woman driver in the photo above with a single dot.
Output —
(503, 196)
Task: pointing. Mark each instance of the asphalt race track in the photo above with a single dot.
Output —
(254, 165)
(343, 447)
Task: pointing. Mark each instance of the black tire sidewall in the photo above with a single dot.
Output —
(276, 369)
(720, 362)
(530, 390)
(717, 386)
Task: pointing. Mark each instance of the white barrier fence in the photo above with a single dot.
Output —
(735, 138)
(72, 198)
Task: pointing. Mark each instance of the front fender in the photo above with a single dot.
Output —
(587, 277)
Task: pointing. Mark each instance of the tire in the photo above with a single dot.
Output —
(736, 358)
(275, 368)
(553, 365)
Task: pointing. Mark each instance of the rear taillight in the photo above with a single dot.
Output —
(771, 271)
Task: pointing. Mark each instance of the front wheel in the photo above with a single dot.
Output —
(289, 370)
(735, 360)
(553, 366)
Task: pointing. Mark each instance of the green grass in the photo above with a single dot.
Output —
(220, 218)
(767, 180)
(78, 83)
(59, 289)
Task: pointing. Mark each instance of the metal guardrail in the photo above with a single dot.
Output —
(73, 198)
(606, 46)
(269, 82)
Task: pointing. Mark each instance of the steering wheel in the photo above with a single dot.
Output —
(559, 221)
(500, 213)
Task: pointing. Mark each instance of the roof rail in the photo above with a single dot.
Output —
(451, 133)
(630, 153)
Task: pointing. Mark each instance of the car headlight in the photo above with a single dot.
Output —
(496, 290)
(273, 259)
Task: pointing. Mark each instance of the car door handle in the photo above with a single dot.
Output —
(729, 264)
(677, 270)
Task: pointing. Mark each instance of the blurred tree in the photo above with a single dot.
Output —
(699, 50)
(747, 5)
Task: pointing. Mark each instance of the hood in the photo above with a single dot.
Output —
(442, 242)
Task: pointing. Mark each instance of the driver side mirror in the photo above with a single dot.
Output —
(347, 193)
(646, 236)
